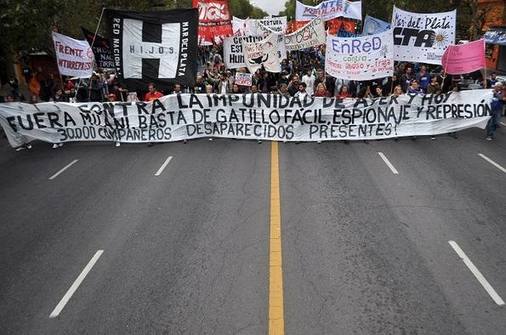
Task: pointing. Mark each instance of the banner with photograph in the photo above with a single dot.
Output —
(263, 53)
(233, 55)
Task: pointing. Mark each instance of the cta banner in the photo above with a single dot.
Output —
(360, 58)
(310, 35)
(214, 21)
(248, 116)
(422, 37)
(465, 58)
(74, 57)
(101, 49)
(233, 55)
(154, 47)
(328, 10)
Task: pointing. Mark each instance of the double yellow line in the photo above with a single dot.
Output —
(276, 309)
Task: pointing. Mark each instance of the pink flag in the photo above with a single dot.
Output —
(465, 58)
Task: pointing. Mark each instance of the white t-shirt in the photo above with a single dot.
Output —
(224, 85)
(309, 81)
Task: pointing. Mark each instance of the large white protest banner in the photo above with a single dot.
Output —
(74, 57)
(233, 55)
(247, 116)
(259, 27)
(422, 37)
(360, 58)
(329, 10)
(310, 35)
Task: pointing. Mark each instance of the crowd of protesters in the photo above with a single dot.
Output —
(302, 73)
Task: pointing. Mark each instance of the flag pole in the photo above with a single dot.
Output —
(92, 43)
(444, 78)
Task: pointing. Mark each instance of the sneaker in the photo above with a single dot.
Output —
(433, 138)
(211, 139)
(489, 138)
(55, 146)
(20, 148)
(28, 146)
(319, 142)
(60, 145)
(118, 144)
(259, 141)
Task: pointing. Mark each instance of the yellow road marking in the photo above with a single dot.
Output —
(276, 310)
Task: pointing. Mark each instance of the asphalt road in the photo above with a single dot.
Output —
(365, 250)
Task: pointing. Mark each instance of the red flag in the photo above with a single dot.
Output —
(295, 25)
(214, 21)
(334, 25)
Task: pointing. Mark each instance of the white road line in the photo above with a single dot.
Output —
(387, 162)
(490, 290)
(65, 168)
(164, 165)
(492, 162)
(57, 310)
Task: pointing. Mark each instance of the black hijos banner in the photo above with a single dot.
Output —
(158, 47)
(101, 49)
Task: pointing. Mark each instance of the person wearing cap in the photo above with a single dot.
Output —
(496, 106)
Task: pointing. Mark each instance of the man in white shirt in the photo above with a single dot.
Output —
(309, 78)
(302, 92)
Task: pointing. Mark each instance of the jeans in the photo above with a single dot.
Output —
(493, 122)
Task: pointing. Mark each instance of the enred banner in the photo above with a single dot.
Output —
(214, 21)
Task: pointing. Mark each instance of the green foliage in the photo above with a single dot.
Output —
(468, 16)
(27, 24)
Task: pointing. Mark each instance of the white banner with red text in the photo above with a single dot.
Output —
(74, 57)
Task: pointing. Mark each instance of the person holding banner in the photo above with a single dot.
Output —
(497, 104)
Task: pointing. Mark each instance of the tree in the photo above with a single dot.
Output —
(470, 15)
